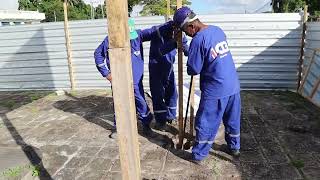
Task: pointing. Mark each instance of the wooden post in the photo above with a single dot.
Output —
(192, 108)
(317, 85)
(68, 44)
(304, 27)
(168, 10)
(180, 83)
(306, 73)
(122, 85)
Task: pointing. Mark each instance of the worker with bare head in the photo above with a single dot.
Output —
(209, 56)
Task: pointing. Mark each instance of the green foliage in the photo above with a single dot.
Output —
(100, 12)
(13, 172)
(53, 9)
(10, 104)
(35, 170)
(298, 163)
(296, 5)
(159, 7)
(17, 171)
(132, 3)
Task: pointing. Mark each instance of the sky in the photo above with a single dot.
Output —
(199, 6)
(9, 4)
(229, 6)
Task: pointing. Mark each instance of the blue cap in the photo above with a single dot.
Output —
(183, 15)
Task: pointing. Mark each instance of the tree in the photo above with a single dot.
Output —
(159, 7)
(132, 3)
(281, 6)
(53, 9)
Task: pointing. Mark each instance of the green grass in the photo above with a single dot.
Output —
(8, 104)
(297, 163)
(35, 97)
(17, 171)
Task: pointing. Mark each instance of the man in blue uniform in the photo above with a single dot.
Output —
(161, 75)
(210, 57)
(103, 65)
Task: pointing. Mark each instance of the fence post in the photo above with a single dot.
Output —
(122, 86)
(68, 44)
(180, 84)
(304, 28)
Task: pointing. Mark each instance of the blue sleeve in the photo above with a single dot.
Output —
(185, 46)
(147, 34)
(195, 58)
(101, 58)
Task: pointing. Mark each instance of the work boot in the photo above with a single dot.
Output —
(194, 161)
(160, 125)
(114, 134)
(147, 131)
(234, 152)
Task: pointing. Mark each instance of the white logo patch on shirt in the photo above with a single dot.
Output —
(220, 49)
(137, 53)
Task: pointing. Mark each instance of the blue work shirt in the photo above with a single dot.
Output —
(209, 56)
(102, 61)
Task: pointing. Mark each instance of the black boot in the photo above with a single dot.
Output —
(147, 131)
(161, 125)
(114, 134)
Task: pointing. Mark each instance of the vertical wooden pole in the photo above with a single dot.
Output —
(304, 78)
(180, 83)
(68, 44)
(304, 27)
(192, 108)
(122, 85)
(168, 10)
(317, 85)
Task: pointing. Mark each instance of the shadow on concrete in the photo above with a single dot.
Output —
(33, 154)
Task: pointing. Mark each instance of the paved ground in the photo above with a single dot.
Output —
(44, 136)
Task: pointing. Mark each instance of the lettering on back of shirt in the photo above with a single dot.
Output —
(221, 49)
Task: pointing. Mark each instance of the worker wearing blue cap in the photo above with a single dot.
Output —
(102, 62)
(209, 56)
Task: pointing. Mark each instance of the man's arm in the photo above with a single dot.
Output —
(102, 59)
(147, 34)
(185, 46)
(195, 58)
(171, 44)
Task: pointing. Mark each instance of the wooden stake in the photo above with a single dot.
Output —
(192, 108)
(122, 85)
(318, 105)
(68, 44)
(180, 83)
(317, 85)
(306, 73)
(304, 27)
(315, 88)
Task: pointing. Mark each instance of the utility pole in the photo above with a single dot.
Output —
(92, 13)
(55, 16)
(102, 9)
